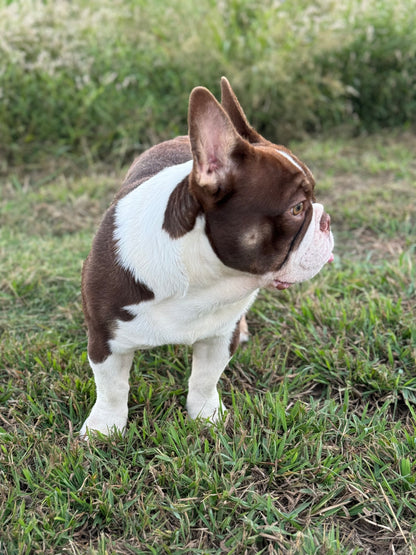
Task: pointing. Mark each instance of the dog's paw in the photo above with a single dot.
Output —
(104, 422)
(243, 328)
(206, 408)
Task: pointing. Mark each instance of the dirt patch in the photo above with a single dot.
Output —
(367, 244)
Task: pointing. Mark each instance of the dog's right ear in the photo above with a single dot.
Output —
(213, 139)
(234, 110)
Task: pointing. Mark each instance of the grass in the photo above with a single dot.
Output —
(318, 451)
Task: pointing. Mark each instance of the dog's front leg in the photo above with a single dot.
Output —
(112, 386)
(210, 357)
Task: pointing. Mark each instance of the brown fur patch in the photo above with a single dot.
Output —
(181, 211)
(106, 289)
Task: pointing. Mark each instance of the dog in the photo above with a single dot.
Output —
(200, 224)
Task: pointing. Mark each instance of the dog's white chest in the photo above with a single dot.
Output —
(185, 320)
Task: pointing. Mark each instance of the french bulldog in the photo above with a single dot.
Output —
(200, 224)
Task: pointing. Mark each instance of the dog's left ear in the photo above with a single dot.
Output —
(234, 110)
(213, 139)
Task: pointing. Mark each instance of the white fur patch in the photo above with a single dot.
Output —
(291, 160)
(112, 388)
(251, 237)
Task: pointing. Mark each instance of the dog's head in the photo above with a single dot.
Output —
(257, 197)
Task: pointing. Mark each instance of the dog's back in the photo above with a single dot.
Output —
(154, 160)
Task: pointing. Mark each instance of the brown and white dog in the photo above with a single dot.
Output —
(199, 225)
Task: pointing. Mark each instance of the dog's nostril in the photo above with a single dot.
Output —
(325, 222)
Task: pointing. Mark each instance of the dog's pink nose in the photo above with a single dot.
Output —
(325, 222)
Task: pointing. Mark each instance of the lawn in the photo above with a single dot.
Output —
(317, 453)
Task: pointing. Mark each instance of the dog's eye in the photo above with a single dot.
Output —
(298, 209)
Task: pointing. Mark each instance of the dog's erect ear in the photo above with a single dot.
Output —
(234, 110)
(213, 139)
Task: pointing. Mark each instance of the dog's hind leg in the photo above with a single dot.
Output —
(210, 357)
(110, 410)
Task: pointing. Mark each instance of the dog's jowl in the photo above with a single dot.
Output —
(199, 225)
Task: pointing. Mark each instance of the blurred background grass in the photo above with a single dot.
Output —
(105, 79)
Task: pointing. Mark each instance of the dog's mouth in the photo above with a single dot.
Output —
(277, 284)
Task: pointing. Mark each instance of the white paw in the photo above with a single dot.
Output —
(244, 333)
(104, 421)
(199, 406)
